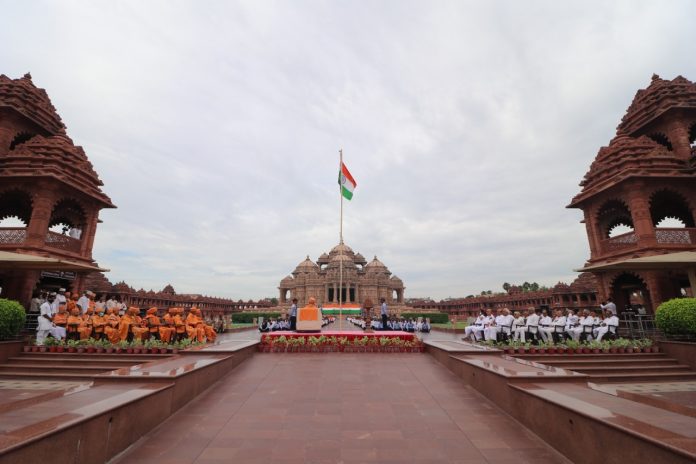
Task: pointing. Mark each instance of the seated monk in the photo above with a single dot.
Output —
(124, 326)
(153, 323)
(98, 324)
(210, 334)
(194, 326)
(309, 318)
(139, 326)
(179, 324)
(85, 328)
(73, 324)
(61, 317)
(167, 329)
(111, 327)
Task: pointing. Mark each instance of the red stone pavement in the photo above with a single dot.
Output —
(335, 408)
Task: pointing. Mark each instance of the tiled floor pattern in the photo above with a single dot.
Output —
(342, 408)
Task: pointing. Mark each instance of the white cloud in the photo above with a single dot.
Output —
(215, 127)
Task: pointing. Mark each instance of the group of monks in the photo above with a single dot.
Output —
(174, 326)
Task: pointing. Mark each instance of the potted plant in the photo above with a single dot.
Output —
(81, 345)
(646, 344)
(595, 346)
(108, 347)
(72, 345)
(613, 349)
(50, 344)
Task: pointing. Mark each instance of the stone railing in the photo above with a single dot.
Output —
(677, 236)
(63, 242)
(12, 235)
(620, 242)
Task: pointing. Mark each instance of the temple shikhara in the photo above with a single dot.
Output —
(361, 281)
(49, 190)
(639, 200)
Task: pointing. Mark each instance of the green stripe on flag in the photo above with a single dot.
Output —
(346, 193)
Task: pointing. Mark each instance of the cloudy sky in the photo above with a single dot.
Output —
(216, 125)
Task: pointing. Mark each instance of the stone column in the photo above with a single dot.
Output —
(592, 234)
(335, 295)
(37, 229)
(87, 237)
(678, 133)
(642, 221)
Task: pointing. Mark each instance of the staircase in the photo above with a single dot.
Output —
(630, 367)
(68, 366)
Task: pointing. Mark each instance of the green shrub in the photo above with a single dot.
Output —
(246, 318)
(677, 316)
(435, 318)
(12, 318)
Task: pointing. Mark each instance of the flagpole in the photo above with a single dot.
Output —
(340, 245)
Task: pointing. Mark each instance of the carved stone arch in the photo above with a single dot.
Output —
(670, 203)
(611, 214)
(69, 212)
(16, 203)
(20, 138)
(662, 139)
(623, 285)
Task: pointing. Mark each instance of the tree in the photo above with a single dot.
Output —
(274, 301)
(534, 287)
(506, 287)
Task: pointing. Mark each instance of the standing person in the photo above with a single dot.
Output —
(83, 302)
(293, 315)
(609, 306)
(36, 302)
(45, 322)
(384, 311)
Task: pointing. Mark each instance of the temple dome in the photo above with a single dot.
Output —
(22, 96)
(359, 259)
(376, 266)
(168, 289)
(306, 266)
(55, 157)
(323, 259)
(660, 96)
(288, 280)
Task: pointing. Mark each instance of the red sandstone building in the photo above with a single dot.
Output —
(49, 189)
(580, 294)
(646, 175)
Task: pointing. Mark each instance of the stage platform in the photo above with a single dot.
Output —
(351, 334)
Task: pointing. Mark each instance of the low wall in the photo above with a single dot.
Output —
(9, 349)
(684, 352)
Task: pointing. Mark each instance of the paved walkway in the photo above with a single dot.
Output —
(319, 408)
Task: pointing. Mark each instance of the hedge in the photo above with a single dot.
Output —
(12, 318)
(677, 316)
(244, 318)
(435, 318)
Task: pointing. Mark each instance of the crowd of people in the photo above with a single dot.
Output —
(285, 323)
(406, 325)
(543, 326)
(69, 316)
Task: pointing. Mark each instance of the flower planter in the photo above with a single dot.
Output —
(613, 350)
(647, 350)
(60, 349)
(99, 349)
(129, 350)
(621, 350)
(532, 351)
(551, 350)
(521, 350)
(80, 350)
(596, 350)
(509, 351)
(52, 349)
(154, 350)
(118, 350)
(71, 349)
(629, 350)
(655, 349)
(578, 350)
(27, 349)
(42, 349)
(175, 350)
(109, 350)
(35, 349)
(163, 351)
(90, 349)
(541, 351)
(586, 351)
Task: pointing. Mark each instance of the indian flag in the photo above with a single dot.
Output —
(346, 182)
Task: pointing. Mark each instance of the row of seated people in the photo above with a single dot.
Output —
(273, 325)
(107, 324)
(406, 325)
(535, 326)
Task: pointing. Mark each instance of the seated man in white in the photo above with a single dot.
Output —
(531, 325)
(469, 330)
(589, 324)
(506, 323)
(545, 328)
(577, 329)
(517, 324)
(610, 322)
(559, 324)
(490, 332)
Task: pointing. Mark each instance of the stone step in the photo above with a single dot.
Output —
(601, 370)
(569, 364)
(58, 359)
(24, 375)
(644, 377)
(100, 356)
(599, 357)
(55, 369)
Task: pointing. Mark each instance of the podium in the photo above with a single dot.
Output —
(309, 318)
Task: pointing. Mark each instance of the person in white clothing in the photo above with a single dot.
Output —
(477, 326)
(559, 324)
(505, 326)
(577, 329)
(45, 320)
(517, 323)
(531, 326)
(545, 329)
(83, 302)
(490, 332)
(610, 322)
(610, 306)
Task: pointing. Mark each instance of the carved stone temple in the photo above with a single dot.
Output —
(361, 280)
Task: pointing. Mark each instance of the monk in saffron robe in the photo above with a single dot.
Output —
(73, 324)
(124, 326)
(85, 328)
(210, 334)
(98, 324)
(194, 326)
(111, 327)
(61, 317)
(153, 323)
(167, 329)
(139, 326)
(179, 324)
(71, 303)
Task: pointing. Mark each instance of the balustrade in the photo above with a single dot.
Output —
(12, 235)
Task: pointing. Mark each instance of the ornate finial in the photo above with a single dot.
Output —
(27, 76)
(307, 256)
(375, 257)
(655, 77)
